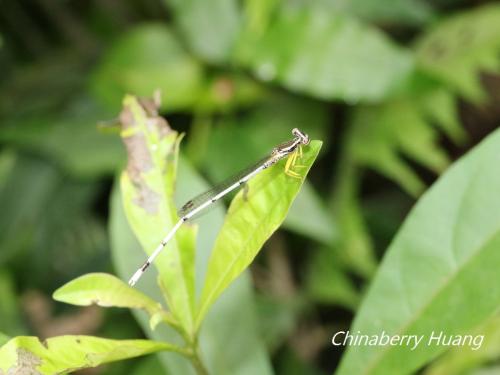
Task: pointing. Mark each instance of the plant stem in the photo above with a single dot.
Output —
(198, 364)
(191, 351)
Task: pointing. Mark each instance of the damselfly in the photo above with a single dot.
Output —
(291, 149)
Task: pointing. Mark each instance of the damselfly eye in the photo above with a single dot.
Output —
(304, 138)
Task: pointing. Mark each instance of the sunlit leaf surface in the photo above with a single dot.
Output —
(108, 291)
(325, 54)
(59, 355)
(250, 221)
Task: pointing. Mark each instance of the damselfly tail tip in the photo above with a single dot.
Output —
(137, 275)
(135, 278)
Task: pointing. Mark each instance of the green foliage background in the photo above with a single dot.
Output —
(397, 91)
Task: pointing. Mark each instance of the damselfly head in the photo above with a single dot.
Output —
(303, 137)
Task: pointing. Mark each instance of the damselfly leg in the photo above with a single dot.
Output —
(291, 163)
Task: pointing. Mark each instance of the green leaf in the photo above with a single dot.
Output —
(456, 50)
(3, 338)
(145, 59)
(327, 281)
(62, 354)
(147, 191)
(403, 12)
(107, 291)
(319, 225)
(127, 255)
(42, 86)
(379, 134)
(149, 365)
(278, 318)
(65, 136)
(291, 363)
(493, 370)
(44, 211)
(441, 271)
(462, 359)
(227, 91)
(325, 54)
(354, 247)
(209, 26)
(250, 221)
(234, 142)
(440, 107)
(11, 322)
(231, 322)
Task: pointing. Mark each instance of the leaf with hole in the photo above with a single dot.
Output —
(62, 354)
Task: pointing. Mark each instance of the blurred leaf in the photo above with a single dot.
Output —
(107, 291)
(67, 137)
(377, 138)
(290, 363)
(3, 338)
(384, 211)
(227, 91)
(209, 26)
(258, 14)
(25, 354)
(25, 190)
(327, 281)
(325, 54)
(355, 248)
(147, 186)
(42, 86)
(319, 225)
(7, 163)
(412, 12)
(47, 219)
(229, 337)
(249, 222)
(277, 319)
(463, 359)
(439, 106)
(149, 365)
(69, 237)
(493, 370)
(441, 271)
(146, 59)
(10, 314)
(458, 48)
